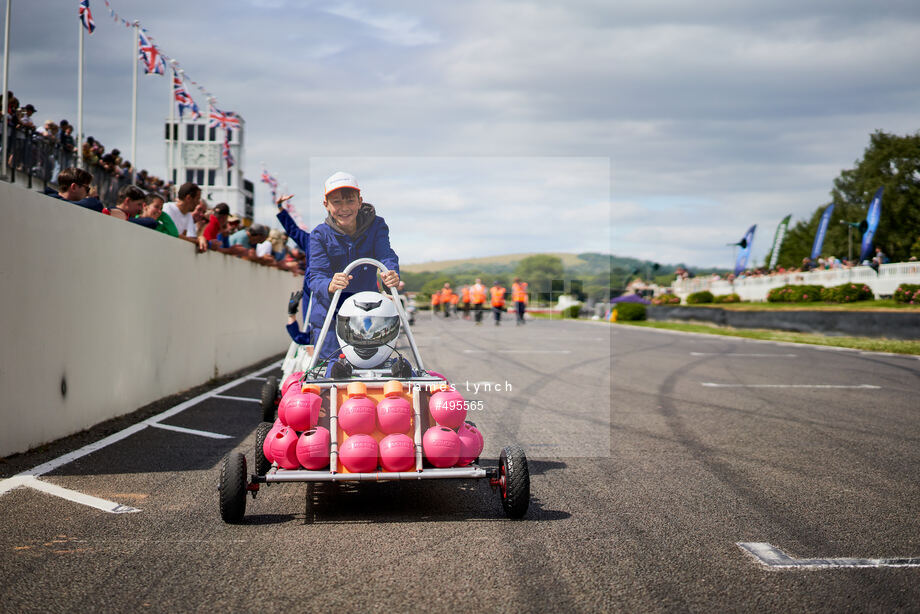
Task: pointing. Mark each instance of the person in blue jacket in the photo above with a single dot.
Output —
(352, 230)
(302, 239)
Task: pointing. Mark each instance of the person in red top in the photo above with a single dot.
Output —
(519, 296)
(497, 294)
(435, 303)
(216, 222)
(478, 299)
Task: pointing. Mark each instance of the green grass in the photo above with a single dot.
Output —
(879, 305)
(857, 343)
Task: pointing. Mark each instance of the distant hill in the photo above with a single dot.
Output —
(496, 264)
(588, 263)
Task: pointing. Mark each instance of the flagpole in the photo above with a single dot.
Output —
(176, 156)
(170, 142)
(5, 144)
(134, 103)
(80, 99)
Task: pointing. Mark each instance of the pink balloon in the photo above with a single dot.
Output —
(441, 446)
(397, 452)
(359, 453)
(313, 448)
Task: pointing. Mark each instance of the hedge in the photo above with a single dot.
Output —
(572, 311)
(726, 298)
(847, 293)
(666, 299)
(795, 294)
(631, 311)
(908, 293)
(704, 296)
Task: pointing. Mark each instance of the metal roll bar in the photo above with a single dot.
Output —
(404, 319)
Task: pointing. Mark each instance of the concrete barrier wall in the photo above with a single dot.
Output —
(887, 324)
(99, 317)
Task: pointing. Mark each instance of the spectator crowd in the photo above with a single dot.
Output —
(42, 151)
(188, 218)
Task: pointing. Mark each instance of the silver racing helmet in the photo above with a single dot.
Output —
(365, 324)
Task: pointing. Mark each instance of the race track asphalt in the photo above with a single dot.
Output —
(652, 456)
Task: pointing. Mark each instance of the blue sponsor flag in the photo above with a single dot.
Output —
(822, 230)
(746, 241)
(872, 218)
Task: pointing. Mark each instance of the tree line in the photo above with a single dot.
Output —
(890, 161)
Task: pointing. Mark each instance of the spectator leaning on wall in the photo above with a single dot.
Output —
(153, 209)
(180, 212)
(130, 204)
(74, 186)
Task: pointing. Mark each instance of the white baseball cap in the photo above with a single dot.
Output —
(340, 180)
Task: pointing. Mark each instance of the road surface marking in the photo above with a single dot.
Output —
(180, 429)
(744, 355)
(776, 558)
(21, 479)
(79, 497)
(224, 396)
(517, 351)
(257, 377)
(857, 386)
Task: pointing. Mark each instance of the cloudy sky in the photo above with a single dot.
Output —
(655, 129)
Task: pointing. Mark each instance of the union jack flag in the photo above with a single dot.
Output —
(271, 181)
(183, 100)
(86, 16)
(228, 156)
(267, 178)
(150, 56)
(223, 119)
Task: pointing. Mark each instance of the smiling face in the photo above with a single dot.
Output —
(343, 205)
(154, 209)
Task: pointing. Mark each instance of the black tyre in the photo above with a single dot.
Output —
(514, 481)
(269, 394)
(232, 488)
(260, 463)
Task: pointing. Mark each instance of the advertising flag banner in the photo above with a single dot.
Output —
(872, 218)
(822, 230)
(778, 240)
(745, 252)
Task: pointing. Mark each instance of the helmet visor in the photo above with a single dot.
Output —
(362, 331)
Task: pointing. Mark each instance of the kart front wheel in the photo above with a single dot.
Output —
(514, 481)
(232, 488)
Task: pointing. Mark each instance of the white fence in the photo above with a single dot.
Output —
(885, 282)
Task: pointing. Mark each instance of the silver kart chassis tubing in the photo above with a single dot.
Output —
(303, 475)
(404, 320)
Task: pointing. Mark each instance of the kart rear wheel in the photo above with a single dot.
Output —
(261, 465)
(232, 488)
(269, 394)
(514, 481)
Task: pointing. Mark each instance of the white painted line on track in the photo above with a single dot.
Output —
(224, 396)
(180, 429)
(23, 478)
(772, 556)
(517, 351)
(261, 379)
(857, 386)
(79, 497)
(740, 355)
